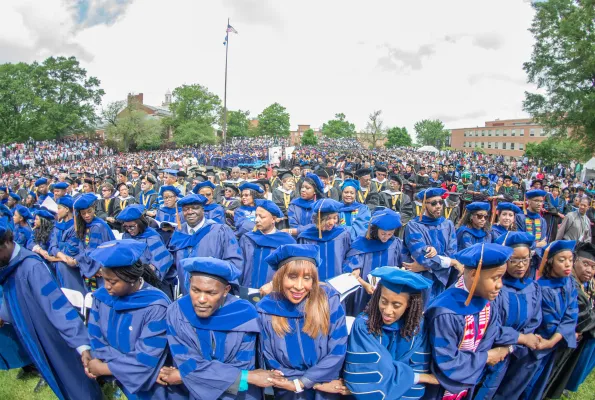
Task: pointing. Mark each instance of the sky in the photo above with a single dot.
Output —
(458, 61)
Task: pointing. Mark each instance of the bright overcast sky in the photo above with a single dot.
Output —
(460, 61)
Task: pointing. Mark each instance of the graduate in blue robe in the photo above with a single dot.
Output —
(127, 326)
(376, 249)
(136, 226)
(170, 211)
(532, 222)
(474, 226)
(201, 237)
(91, 232)
(560, 313)
(245, 214)
(310, 360)
(213, 335)
(300, 211)
(213, 210)
(65, 247)
(519, 309)
(506, 213)
(387, 353)
(433, 231)
(22, 229)
(463, 328)
(50, 329)
(41, 186)
(43, 225)
(257, 245)
(354, 216)
(12, 353)
(333, 241)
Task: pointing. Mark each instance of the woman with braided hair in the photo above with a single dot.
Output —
(388, 341)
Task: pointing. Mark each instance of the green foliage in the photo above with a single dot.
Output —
(132, 128)
(431, 133)
(47, 100)
(274, 121)
(398, 137)
(556, 150)
(194, 103)
(479, 150)
(193, 133)
(375, 129)
(238, 123)
(309, 138)
(338, 128)
(563, 67)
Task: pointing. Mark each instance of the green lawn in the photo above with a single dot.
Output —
(10, 389)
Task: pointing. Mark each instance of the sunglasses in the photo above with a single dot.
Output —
(481, 216)
(128, 227)
(436, 202)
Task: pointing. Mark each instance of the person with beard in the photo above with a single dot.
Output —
(60, 189)
(41, 186)
(212, 210)
(532, 222)
(432, 242)
(451, 209)
(519, 308)
(573, 366)
(256, 245)
(354, 216)
(50, 329)
(474, 226)
(300, 211)
(393, 198)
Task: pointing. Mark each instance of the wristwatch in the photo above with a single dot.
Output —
(510, 349)
(298, 386)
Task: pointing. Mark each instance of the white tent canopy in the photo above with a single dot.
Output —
(431, 149)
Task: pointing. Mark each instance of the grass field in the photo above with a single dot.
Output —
(13, 389)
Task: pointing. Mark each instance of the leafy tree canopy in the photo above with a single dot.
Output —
(338, 127)
(194, 103)
(238, 123)
(398, 137)
(555, 150)
(309, 138)
(194, 133)
(431, 133)
(274, 121)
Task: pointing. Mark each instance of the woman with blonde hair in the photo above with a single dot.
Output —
(304, 335)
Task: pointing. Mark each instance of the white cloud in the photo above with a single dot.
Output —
(414, 60)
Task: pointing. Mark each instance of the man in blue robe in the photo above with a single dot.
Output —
(200, 237)
(257, 245)
(532, 222)
(462, 325)
(213, 210)
(41, 186)
(50, 329)
(212, 336)
(432, 242)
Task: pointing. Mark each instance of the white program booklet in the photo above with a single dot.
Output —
(345, 284)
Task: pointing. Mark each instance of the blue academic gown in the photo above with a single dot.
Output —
(519, 309)
(299, 213)
(244, 219)
(497, 231)
(432, 232)
(63, 239)
(12, 353)
(215, 212)
(22, 234)
(384, 366)
(156, 255)
(128, 333)
(255, 248)
(333, 247)
(467, 237)
(168, 214)
(47, 325)
(560, 315)
(458, 370)
(97, 232)
(297, 355)
(367, 255)
(537, 226)
(211, 352)
(212, 240)
(42, 197)
(356, 218)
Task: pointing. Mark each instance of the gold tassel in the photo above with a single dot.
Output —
(423, 205)
(543, 261)
(178, 217)
(476, 279)
(462, 217)
(493, 212)
(319, 222)
(525, 205)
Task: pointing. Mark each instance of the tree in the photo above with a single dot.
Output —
(194, 133)
(555, 150)
(339, 127)
(562, 66)
(132, 128)
(238, 123)
(274, 121)
(431, 133)
(309, 138)
(194, 103)
(48, 100)
(398, 137)
(375, 128)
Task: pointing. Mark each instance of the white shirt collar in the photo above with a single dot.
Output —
(15, 251)
(197, 227)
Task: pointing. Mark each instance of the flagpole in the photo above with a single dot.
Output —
(225, 90)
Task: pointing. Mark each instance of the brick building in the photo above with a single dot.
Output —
(501, 137)
(295, 137)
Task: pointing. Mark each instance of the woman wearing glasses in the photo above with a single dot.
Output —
(475, 226)
(519, 310)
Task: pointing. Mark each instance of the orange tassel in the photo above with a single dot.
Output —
(543, 261)
(476, 279)
(493, 212)
(462, 217)
(178, 217)
(525, 205)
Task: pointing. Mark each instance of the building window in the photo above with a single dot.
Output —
(483, 133)
(489, 145)
(482, 145)
(531, 132)
(513, 132)
(512, 146)
(521, 132)
(521, 147)
(504, 133)
(503, 145)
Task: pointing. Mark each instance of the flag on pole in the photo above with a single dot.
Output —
(231, 29)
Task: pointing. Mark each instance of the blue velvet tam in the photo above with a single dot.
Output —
(478, 206)
(492, 255)
(293, 252)
(85, 201)
(429, 193)
(24, 212)
(191, 199)
(317, 181)
(270, 206)
(327, 206)
(211, 267)
(401, 281)
(15, 196)
(173, 172)
(61, 185)
(131, 213)
(118, 253)
(204, 184)
(509, 207)
(47, 214)
(66, 201)
(41, 181)
(251, 186)
(386, 219)
(169, 188)
(354, 183)
(560, 245)
(535, 193)
(515, 239)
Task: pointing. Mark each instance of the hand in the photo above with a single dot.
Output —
(356, 272)
(414, 267)
(541, 243)
(530, 340)
(110, 219)
(428, 379)
(367, 287)
(263, 378)
(170, 376)
(335, 386)
(151, 213)
(266, 289)
(579, 336)
(96, 367)
(457, 265)
(431, 252)
(496, 355)
(546, 344)
(283, 383)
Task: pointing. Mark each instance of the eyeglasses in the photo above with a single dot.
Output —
(168, 197)
(481, 216)
(128, 227)
(517, 261)
(436, 202)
